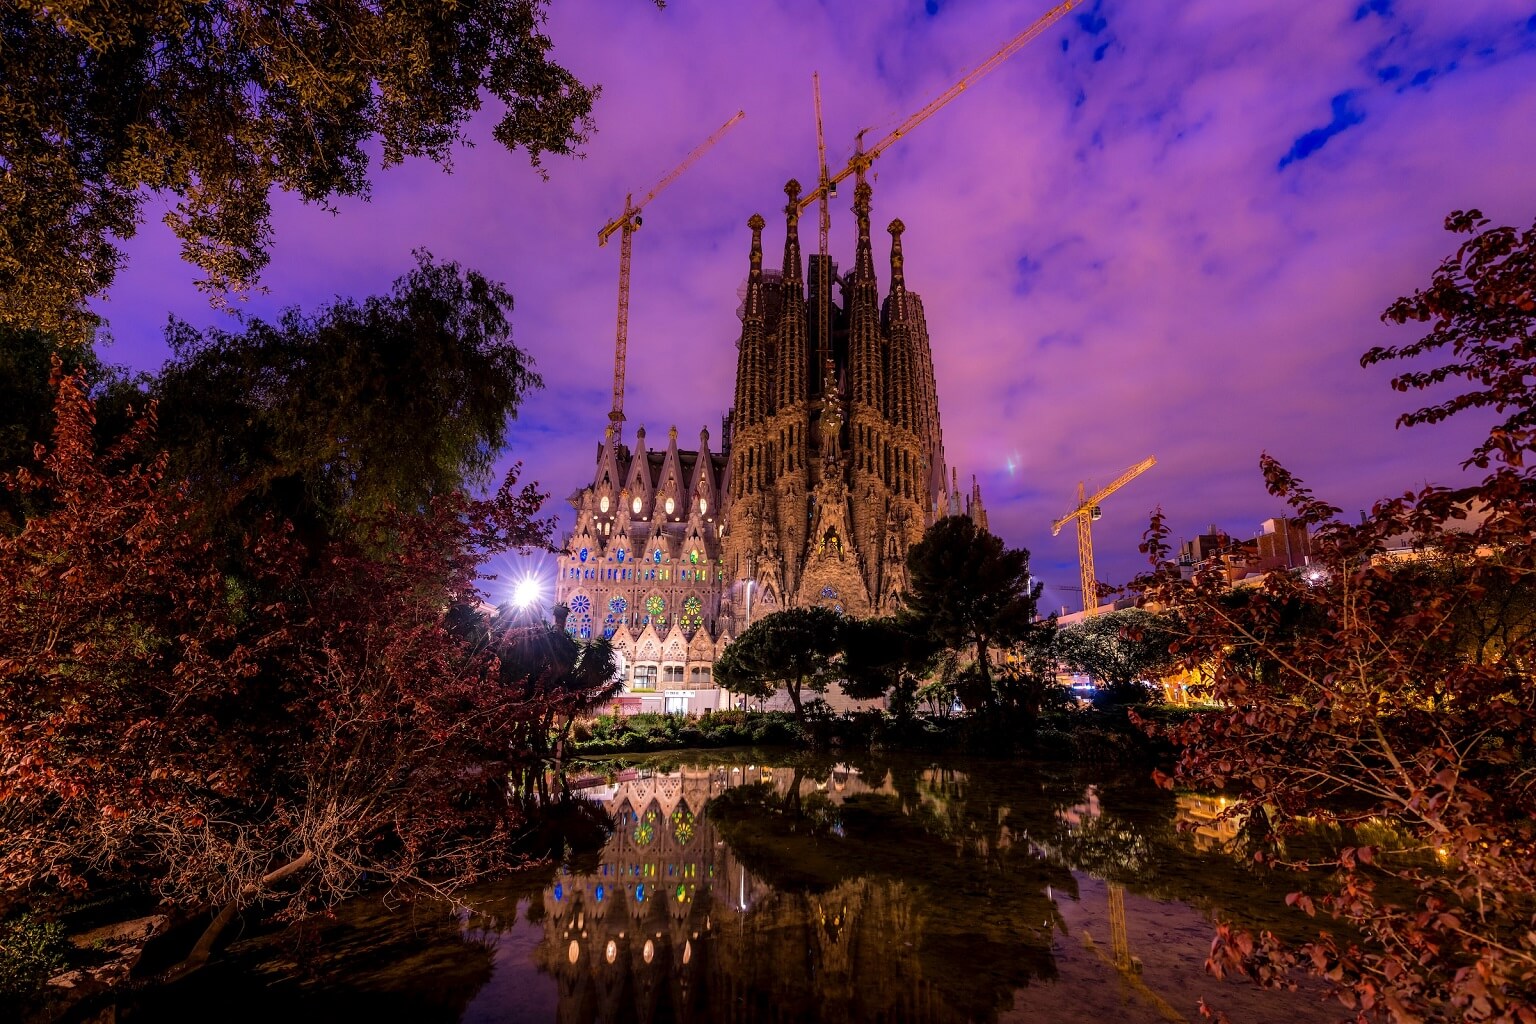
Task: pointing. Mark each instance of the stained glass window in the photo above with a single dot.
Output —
(617, 605)
(829, 593)
(581, 604)
(645, 831)
(656, 608)
(693, 556)
(692, 616)
(656, 556)
(621, 554)
(583, 554)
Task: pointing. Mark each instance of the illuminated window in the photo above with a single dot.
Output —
(670, 506)
(617, 606)
(656, 556)
(656, 610)
(602, 503)
(693, 556)
(636, 506)
(581, 604)
(828, 593)
(693, 610)
(703, 506)
(621, 554)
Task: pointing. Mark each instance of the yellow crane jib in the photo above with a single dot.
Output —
(626, 224)
(1088, 510)
(861, 159)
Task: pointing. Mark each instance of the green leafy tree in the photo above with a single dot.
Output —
(329, 418)
(1119, 649)
(799, 649)
(973, 595)
(1373, 691)
(213, 105)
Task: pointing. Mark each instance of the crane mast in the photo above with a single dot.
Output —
(1086, 511)
(625, 225)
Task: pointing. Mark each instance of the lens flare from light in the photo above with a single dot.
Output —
(526, 592)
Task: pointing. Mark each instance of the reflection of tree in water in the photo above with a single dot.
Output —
(853, 891)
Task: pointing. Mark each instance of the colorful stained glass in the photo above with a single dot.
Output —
(682, 826)
(583, 554)
(656, 556)
(581, 604)
(693, 612)
(829, 593)
(617, 605)
(693, 556)
(621, 554)
(645, 831)
(656, 608)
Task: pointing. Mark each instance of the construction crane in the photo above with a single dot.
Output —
(1087, 511)
(626, 224)
(826, 184)
(862, 158)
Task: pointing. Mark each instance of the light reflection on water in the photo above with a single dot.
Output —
(887, 890)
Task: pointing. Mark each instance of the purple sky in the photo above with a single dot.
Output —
(1160, 229)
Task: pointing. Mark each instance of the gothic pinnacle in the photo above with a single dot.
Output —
(864, 260)
(754, 308)
(898, 275)
(792, 233)
(792, 189)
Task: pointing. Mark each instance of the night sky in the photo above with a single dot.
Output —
(1162, 228)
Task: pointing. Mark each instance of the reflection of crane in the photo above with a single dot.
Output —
(627, 223)
(826, 185)
(1086, 511)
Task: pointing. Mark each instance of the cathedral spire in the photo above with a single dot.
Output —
(754, 307)
(898, 272)
(864, 258)
(792, 233)
(792, 373)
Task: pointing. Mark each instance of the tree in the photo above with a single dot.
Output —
(1119, 649)
(1358, 694)
(216, 104)
(799, 649)
(971, 593)
(225, 741)
(887, 656)
(329, 418)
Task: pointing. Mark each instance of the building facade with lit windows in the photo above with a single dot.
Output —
(831, 466)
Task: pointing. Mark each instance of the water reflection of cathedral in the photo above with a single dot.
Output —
(671, 925)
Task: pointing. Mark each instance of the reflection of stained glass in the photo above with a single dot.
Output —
(829, 593)
(692, 616)
(645, 831)
(581, 604)
(682, 826)
(656, 608)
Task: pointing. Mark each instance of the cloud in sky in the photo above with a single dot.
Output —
(1157, 229)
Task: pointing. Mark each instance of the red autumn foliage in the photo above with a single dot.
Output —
(1390, 693)
(276, 729)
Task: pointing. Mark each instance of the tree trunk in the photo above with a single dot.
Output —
(794, 698)
(204, 947)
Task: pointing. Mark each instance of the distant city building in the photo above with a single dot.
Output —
(831, 467)
(1281, 543)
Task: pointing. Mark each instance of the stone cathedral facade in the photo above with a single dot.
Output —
(831, 466)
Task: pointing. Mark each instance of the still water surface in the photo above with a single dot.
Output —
(771, 887)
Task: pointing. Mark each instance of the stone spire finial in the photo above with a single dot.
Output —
(754, 307)
(898, 271)
(864, 260)
(792, 233)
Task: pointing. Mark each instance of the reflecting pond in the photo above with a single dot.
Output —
(744, 886)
